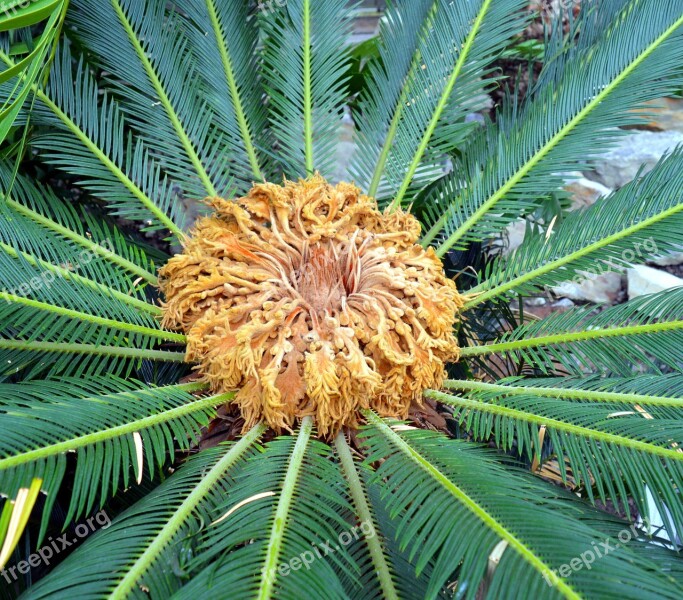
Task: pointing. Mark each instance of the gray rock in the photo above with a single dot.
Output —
(565, 303)
(535, 301)
(619, 166)
(585, 192)
(644, 280)
(668, 260)
(602, 289)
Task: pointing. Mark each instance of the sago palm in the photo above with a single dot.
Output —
(387, 425)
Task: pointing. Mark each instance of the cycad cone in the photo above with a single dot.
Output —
(310, 301)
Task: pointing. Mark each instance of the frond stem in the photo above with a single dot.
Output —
(524, 170)
(234, 90)
(85, 281)
(162, 539)
(75, 314)
(308, 95)
(461, 496)
(92, 349)
(116, 431)
(130, 185)
(441, 106)
(560, 262)
(164, 99)
(562, 393)
(398, 111)
(567, 338)
(568, 428)
(360, 501)
(93, 247)
(276, 538)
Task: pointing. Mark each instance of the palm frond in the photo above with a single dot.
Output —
(421, 87)
(149, 70)
(595, 81)
(57, 232)
(639, 222)
(644, 333)
(608, 443)
(305, 72)
(19, 78)
(43, 421)
(464, 509)
(224, 37)
(139, 536)
(220, 514)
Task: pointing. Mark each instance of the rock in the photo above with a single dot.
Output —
(619, 166)
(665, 114)
(668, 260)
(563, 304)
(585, 192)
(644, 280)
(601, 289)
(515, 236)
(535, 301)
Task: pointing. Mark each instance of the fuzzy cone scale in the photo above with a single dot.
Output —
(310, 301)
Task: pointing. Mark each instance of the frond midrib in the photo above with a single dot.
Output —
(186, 509)
(82, 316)
(82, 241)
(118, 173)
(307, 90)
(566, 338)
(276, 537)
(560, 262)
(461, 496)
(441, 106)
(234, 90)
(398, 111)
(545, 149)
(556, 424)
(164, 99)
(563, 393)
(118, 430)
(360, 501)
(114, 351)
(85, 281)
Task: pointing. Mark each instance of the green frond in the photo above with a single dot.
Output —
(644, 333)
(37, 222)
(203, 490)
(19, 78)
(421, 87)
(305, 71)
(613, 449)
(639, 222)
(227, 533)
(384, 97)
(492, 528)
(142, 48)
(362, 504)
(140, 536)
(224, 38)
(578, 105)
(43, 421)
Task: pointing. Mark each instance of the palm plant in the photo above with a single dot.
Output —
(152, 106)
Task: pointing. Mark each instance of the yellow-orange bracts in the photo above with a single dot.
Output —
(309, 301)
